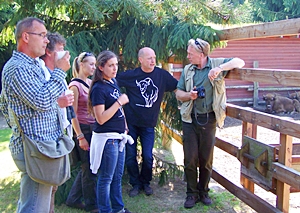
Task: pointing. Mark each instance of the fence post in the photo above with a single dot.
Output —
(251, 131)
(255, 88)
(284, 157)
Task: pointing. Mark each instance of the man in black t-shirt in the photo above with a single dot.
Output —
(145, 87)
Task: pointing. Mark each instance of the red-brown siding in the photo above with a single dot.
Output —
(276, 53)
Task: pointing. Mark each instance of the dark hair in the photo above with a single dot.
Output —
(102, 59)
(54, 38)
(24, 25)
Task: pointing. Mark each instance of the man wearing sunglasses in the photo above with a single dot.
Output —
(27, 94)
(201, 89)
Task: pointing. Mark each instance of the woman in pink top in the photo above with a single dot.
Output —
(83, 191)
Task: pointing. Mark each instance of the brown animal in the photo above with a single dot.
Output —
(294, 95)
(296, 105)
(279, 104)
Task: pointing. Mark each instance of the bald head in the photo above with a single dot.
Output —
(145, 50)
(147, 58)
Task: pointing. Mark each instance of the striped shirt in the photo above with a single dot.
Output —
(26, 92)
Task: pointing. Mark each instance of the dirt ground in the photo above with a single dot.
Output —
(229, 167)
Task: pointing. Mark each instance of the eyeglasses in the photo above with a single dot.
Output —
(87, 54)
(198, 45)
(43, 35)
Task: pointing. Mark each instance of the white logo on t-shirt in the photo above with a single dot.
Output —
(116, 95)
(149, 91)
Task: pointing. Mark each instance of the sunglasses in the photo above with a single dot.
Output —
(87, 54)
(198, 45)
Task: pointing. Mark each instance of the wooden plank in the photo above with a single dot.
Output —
(247, 129)
(172, 133)
(256, 172)
(269, 29)
(285, 158)
(287, 175)
(243, 194)
(272, 76)
(284, 125)
(296, 159)
(227, 146)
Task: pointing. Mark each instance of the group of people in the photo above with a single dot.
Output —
(107, 123)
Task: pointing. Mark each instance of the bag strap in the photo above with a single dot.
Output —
(17, 122)
(81, 81)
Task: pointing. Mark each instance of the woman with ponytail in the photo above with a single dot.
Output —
(83, 191)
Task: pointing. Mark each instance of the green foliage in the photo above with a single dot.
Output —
(149, 23)
(9, 191)
(170, 113)
(5, 135)
(273, 10)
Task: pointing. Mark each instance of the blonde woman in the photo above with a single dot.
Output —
(83, 191)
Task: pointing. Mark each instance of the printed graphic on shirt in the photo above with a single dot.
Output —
(116, 95)
(149, 92)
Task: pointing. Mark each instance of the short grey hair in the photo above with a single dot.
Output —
(25, 25)
(201, 46)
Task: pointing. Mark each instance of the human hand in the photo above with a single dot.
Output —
(214, 72)
(84, 145)
(64, 62)
(123, 99)
(66, 99)
(193, 94)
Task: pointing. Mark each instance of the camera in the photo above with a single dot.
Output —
(200, 91)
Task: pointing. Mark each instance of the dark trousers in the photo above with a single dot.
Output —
(84, 186)
(198, 148)
(146, 135)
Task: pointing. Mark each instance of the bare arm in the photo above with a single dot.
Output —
(234, 63)
(185, 96)
(102, 115)
(83, 144)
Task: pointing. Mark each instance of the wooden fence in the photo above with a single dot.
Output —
(270, 166)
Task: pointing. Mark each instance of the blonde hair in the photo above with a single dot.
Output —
(200, 45)
(76, 62)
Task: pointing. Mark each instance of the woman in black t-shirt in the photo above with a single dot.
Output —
(105, 103)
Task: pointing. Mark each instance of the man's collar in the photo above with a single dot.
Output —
(207, 65)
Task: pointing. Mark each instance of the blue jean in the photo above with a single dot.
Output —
(109, 187)
(84, 186)
(146, 135)
(198, 148)
(34, 197)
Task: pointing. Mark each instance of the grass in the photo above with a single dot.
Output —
(166, 199)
